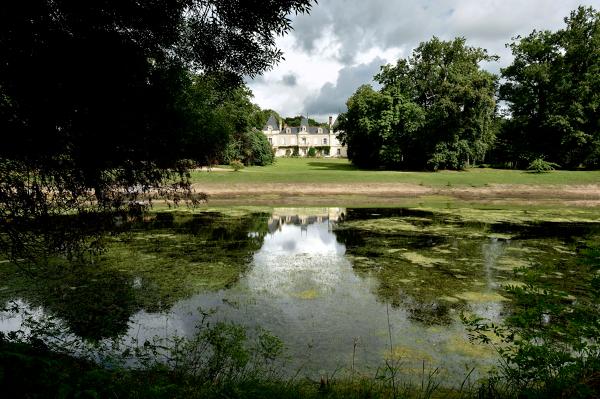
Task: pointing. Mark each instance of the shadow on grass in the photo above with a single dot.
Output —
(332, 166)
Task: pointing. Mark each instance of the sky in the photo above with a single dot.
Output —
(342, 44)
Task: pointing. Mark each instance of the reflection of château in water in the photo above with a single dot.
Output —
(304, 217)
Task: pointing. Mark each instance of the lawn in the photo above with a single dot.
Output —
(320, 170)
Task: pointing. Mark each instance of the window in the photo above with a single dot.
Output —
(325, 140)
(271, 140)
(339, 151)
(304, 140)
(283, 140)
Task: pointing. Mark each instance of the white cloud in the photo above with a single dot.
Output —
(327, 101)
(341, 35)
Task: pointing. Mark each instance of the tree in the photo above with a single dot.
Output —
(97, 98)
(251, 147)
(364, 126)
(434, 110)
(553, 92)
(296, 120)
(246, 143)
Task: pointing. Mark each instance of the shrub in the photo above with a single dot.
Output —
(538, 165)
(250, 148)
(259, 151)
(312, 152)
(236, 165)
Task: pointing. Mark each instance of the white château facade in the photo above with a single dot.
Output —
(297, 140)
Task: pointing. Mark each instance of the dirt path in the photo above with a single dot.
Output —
(285, 193)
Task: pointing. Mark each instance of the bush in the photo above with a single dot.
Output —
(259, 151)
(250, 148)
(538, 165)
(236, 165)
(312, 152)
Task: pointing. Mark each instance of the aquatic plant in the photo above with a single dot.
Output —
(549, 345)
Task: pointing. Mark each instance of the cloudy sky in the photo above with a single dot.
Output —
(342, 43)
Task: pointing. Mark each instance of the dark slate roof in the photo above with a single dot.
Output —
(309, 130)
(272, 122)
(315, 130)
(295, 129)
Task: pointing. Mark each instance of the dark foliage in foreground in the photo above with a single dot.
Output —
(98, 102)
(549, 344)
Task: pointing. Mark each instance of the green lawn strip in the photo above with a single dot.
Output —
(324, 170)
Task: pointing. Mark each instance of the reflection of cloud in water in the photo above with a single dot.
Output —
(314, 239)
(297, 260)
(10, 321)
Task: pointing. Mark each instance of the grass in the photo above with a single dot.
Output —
(30, 371)
(321, 170)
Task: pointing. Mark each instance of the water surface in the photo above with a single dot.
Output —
(336, 285)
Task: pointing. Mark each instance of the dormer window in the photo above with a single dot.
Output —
(320, 131)
(304, 128)
(269, 128)
(288, 130)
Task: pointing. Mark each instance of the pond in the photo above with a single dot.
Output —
(338, 286)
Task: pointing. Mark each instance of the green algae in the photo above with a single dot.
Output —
(450, 299)
(393, 225)
(461, 345)
(510, 264)
(307, 294)
(519, 215)
(150, 266)
(407, 353)
(422, 260)
(428, 267)
(480, 297)
(459, 253)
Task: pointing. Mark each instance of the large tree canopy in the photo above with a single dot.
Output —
(99, 96)
(553, 92)
(98, 91)
(434, 110)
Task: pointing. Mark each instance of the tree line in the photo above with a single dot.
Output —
(439, 109)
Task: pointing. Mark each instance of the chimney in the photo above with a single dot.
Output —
(281, 125)
(330, 121)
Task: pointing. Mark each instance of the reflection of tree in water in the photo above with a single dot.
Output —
(150, 266)
(414, 288)
(93, 304)
(432, 264)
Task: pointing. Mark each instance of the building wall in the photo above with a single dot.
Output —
(283, 143)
